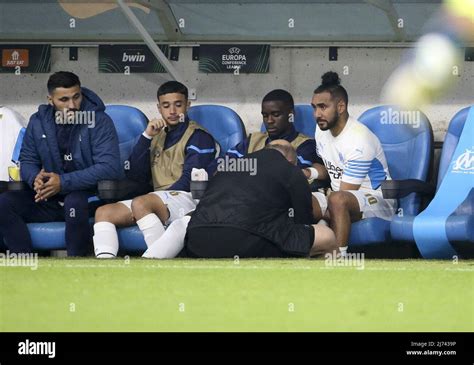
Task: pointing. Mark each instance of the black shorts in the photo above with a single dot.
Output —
(228, 242)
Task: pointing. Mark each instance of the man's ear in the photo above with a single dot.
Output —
(341, 106)
(50, 99)
(189, 103)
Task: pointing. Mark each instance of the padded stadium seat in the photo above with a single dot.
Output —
(304, 120)
(459, 225)
(129, 123)
(408, 149)
(221, 122)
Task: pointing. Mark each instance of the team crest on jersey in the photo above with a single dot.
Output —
(341, 157)
(156, 155)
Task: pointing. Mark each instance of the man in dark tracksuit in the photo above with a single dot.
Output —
(70, 144)
(166, 153)
(267, 213)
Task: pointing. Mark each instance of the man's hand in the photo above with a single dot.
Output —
(50, 188)
(154, 127)
(39, 181)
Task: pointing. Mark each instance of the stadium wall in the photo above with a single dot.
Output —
(363, 72)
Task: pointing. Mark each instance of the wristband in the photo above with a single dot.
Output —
(314, 173)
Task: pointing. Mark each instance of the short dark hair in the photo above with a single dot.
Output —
(331, 83)
(172, 87)
(280, 95)
(62, 79)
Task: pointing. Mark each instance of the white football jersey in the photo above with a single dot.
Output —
(355, 156)
(10, 124)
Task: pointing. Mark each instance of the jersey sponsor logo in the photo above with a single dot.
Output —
(334, 171)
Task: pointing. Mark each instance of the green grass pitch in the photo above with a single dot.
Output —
(246, 295)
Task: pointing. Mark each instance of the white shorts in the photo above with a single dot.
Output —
(179, 203)
(322, 200)
(370, 205)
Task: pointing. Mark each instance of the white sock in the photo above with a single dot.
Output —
(105, 239)
(323, 223)
(171, 243)
(343, 251)
(151, 227)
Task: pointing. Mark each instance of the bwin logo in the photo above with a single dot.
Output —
(234, 50)
(133, 57)
(465, 162)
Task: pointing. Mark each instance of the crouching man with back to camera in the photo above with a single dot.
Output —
(264, 214)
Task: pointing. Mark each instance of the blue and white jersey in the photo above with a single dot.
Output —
(355, 156)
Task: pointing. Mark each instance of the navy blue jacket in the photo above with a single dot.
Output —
(95, 151)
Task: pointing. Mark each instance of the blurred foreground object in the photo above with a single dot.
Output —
(436, 58)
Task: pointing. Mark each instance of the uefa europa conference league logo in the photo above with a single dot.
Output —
(234, 59)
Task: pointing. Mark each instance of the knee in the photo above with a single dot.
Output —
(325, 240)
(104, 214)
(327, 235)
(139, 204)
(338, 201)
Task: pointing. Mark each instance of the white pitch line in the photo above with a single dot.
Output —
(254, 267)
